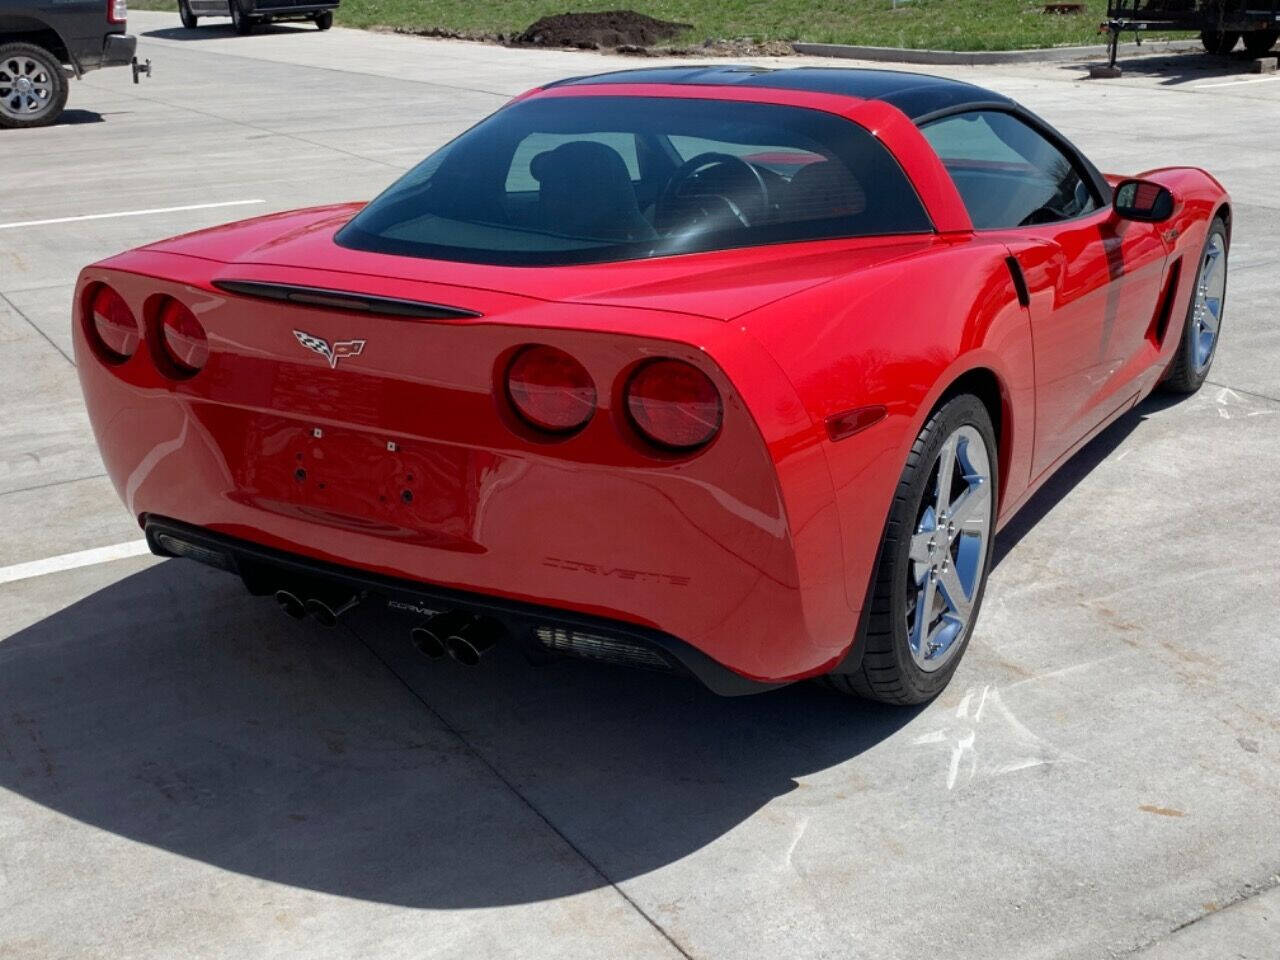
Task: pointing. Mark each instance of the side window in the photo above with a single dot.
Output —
(1008, 174)
(520, 180)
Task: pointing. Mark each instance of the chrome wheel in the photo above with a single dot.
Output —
(26, 88)
(1206, 312)
(949, 549)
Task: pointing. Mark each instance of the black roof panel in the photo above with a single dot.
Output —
(915, 94)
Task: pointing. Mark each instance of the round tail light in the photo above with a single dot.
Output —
(674, 404)
(113, 325)
(550, 390)
(184, 341)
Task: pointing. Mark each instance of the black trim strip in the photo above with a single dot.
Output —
(1165, 310)
(255, 563)
(343, 300)
(1019, 280)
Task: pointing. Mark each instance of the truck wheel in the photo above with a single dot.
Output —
(933, 560)
(1220, 42)
(1259, 42)
(324, 20)
(189, 19)
(33, 88)
(240, 20)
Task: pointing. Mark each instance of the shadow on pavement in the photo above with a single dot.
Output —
(1180, 68)
(172, 709)
(223, 29)
(74, 117)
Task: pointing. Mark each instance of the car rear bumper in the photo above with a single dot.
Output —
(265, 571)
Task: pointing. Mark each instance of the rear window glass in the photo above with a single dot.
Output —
(590, 179)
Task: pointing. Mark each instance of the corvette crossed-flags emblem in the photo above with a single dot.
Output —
(334, 353)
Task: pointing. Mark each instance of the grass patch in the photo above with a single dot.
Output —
(927, 24)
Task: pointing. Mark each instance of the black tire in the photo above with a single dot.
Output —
(324, 20)
(1184, 377)
(1219, 42)
(888, 671)
(1258, 43)
(189, 19)
(19, 61)
(240, 20)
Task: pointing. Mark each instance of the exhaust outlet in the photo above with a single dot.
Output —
(291, 604)
(473, 640)
(428, 638)
(326, 612)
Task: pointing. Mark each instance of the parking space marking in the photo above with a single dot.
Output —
(128, 213)
(1232, 83)
(70, 561)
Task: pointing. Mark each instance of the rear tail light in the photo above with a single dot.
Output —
(113, 325)
(117, 11)
(182, 338)
(674, 404)
(550, 390)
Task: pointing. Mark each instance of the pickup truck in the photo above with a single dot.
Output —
(247, 14)
(45, 42)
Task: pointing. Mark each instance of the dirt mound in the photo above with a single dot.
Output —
(590, 31)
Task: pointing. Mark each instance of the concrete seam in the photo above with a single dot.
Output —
(51, 483)
(49, 340)
(1250, 891)
(532, 807)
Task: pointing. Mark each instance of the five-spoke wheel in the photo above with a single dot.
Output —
(933, 560)
(1194, 354)
(949, 549)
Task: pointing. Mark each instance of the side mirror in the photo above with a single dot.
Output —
(1143, 201)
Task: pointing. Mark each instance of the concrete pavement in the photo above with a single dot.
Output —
(185, 773)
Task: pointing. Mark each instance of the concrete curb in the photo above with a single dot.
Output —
(973, 58)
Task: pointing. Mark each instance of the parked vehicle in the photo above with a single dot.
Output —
(247, 14)
(1222, 24)
(723, 370)
(41, 40)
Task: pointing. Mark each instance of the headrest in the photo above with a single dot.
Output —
(578, 158)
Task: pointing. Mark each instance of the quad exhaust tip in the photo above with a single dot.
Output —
(327, 612)
(464, 638)
(324, 610)
(291, 604)
(427, 642)
(472, 641)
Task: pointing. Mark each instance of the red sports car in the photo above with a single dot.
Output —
(722, 370)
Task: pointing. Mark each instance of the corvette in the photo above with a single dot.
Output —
(727, 371)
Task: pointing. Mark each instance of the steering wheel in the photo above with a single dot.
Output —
(672, 194)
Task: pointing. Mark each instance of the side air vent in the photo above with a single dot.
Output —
(343, 300)
(1160, 322)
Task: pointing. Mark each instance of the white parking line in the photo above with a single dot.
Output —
(70, 561)
(1232, 83)
(128, 213)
